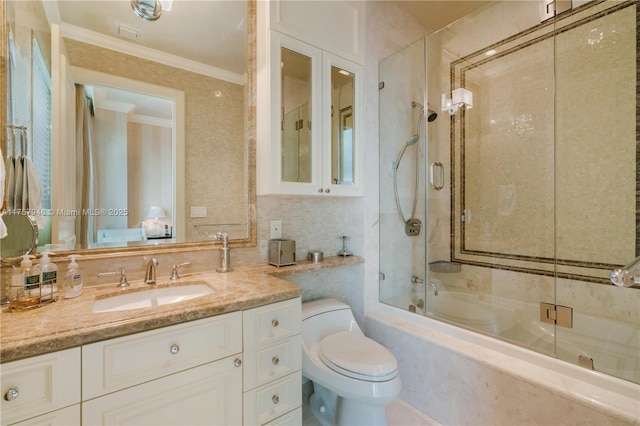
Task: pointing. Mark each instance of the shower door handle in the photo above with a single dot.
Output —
(432, 172)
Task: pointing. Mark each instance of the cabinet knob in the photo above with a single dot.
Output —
(326, 191)
(275, 399)
(12, 393)
(275, 360)
(237, 362)
(175, 349)
(320, 190)
(275, 323)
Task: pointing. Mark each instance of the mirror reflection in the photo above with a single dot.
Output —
(296, 117)
(156, 191)
(342, 136)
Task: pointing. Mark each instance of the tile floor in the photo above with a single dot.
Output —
(399, 413)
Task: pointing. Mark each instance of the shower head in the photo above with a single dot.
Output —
(413, 139)
(431, 114)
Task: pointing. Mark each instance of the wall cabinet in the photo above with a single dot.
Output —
(191, 373)
(310, 102)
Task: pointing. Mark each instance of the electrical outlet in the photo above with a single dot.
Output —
(276, 229)
(198, 211)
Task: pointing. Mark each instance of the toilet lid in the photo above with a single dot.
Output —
(357, 356)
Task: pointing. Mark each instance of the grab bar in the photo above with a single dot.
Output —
(627, 276)
(435, 186)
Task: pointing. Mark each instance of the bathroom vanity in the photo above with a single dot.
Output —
(228, 357)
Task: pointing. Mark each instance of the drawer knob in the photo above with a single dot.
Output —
(275, 360)
(175, 349)
(275, 399)
(12, 394)
(275, 323)
(237, 362)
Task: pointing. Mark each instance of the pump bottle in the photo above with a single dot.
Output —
(32, 276)
(49, 277)
(73, 279)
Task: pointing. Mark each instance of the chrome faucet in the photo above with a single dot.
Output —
(150, 274)
(418, 280)
(225, 253)
(120, 273)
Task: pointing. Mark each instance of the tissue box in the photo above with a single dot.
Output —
(282, 252)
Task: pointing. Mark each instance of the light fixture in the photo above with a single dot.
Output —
(166, 4)
(149, 10)
(459, 97)
(156, 212)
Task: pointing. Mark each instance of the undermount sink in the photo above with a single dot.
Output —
(150, 298)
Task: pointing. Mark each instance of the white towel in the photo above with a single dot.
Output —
(33, 193)
(3, 227)
(11, 180)
(19, 181)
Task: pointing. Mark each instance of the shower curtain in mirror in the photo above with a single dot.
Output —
(85, 166)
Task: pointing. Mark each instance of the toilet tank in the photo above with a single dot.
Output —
(326, 316)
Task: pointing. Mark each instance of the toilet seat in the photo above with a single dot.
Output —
(355, 355)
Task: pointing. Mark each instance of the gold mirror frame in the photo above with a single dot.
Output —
(250, 96)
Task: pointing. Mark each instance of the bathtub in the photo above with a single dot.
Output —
(445, 367)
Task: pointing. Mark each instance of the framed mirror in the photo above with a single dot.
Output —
(190, 177)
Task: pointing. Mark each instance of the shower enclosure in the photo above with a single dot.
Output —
(526, 182)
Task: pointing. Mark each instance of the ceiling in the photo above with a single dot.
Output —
(209, 32)
(437, 14)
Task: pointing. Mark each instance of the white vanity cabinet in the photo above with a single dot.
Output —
(310, 98)
(242, 367)
(273, 363)
(44, 389)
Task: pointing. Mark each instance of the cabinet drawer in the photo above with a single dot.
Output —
(40, 384)
(64, 417)
(126, 361)
(210, 394)
(292, 418)
(272, 400)
(272, 362)
(267, 324)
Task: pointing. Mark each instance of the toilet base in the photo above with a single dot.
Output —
(331, 410)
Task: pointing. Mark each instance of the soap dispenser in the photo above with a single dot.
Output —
(32, 276)
(49, 277)
(73, 279)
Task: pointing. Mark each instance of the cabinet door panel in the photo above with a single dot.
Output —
(126, 361)
(40, 384)
(207, 395)
(295, 129)
(65, 417)
(343, 126)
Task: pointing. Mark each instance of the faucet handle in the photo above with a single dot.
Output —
(123, 277)
(174, 270)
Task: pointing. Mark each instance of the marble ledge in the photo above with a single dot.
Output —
(70, 323)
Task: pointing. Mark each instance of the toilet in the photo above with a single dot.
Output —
(353, 377)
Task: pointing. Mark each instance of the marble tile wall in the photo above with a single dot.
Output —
(456, 382)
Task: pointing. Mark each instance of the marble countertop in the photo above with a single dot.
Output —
(70, 322)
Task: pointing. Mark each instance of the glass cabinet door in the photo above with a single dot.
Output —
(343, 126)
(296, 116)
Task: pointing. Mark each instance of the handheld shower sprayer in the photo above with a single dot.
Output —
(431, 114)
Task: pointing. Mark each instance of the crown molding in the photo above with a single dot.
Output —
(112, 43)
